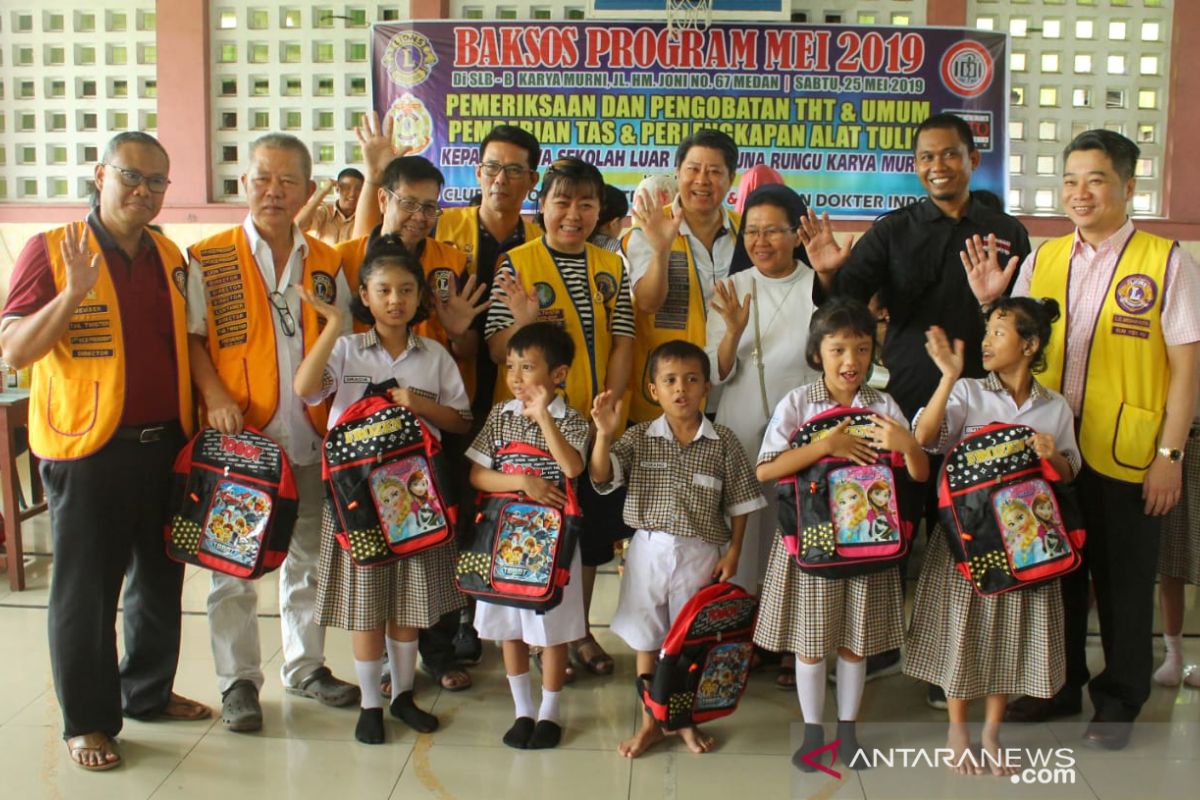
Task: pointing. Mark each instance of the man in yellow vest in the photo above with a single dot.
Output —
(97, 308)
(249, 333)
(677, 254)
(408, 200)
(1124, 356)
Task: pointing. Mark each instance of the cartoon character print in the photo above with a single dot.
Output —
(1020, 532)
(1048, 528)
(422, 514)
(236, 521)
(525, 549)
(879, 512)
(404, 501)
(725, 671)
(850, 509)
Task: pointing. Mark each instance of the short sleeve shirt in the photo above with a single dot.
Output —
(505, 424)
(683, 489)
(800, 405)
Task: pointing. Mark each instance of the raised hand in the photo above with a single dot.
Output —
(325, 311)
(824, 253)
(376, 142)
(83, 266)
(461, 307)
(884, 433)
(606, 413)
(538, 403)
(843, 445)
(984, 274)
(949, 360)
(522, 302)
(725, 302)
(659, 227)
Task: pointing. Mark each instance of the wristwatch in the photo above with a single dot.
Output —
(1171, 454)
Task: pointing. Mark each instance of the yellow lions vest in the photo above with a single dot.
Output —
(1125, 388)
(77, 390)
(460, 227)
(241, 331)
(537, 270)
(683, 315)
(442, 264)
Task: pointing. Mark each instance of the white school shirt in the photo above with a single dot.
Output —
(976, 402)
(800, 405)
(424, 368)
(291, 426)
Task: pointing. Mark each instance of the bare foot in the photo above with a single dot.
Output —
(995, 752)
(647, 736)
(697, 740)
(958, 740)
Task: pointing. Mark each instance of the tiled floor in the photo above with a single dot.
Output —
(306, 750)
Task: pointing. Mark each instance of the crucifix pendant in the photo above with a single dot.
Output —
(757, 357)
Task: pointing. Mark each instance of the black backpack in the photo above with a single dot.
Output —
(1010, 521)
(518, 553)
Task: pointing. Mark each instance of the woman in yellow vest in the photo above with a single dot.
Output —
(563, 279)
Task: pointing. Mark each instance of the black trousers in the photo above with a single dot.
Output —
(1121, 556)
(107, 513)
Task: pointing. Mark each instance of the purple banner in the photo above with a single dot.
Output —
(832, 108)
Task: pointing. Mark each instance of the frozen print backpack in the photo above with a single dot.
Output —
(235, 503)
(838, 518)
(383, 469)
(704, 663)
(518, 553)
(1010, 521)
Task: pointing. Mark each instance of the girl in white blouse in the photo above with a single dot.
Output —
(386, 605)
(974, 646)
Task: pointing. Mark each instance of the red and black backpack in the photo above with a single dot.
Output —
(518, 553)
(704, 663)
(838, 518)
(235, 501)
(383, 469)
(1010, 521)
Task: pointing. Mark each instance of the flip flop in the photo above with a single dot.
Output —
(182, 709)
(77, 745)
(599, 663)
(535, 655)
(455, 684)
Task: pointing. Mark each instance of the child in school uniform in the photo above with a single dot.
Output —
(810, 615)
(385, 605)
(685, 475)
(539, 356)
(1012, 643)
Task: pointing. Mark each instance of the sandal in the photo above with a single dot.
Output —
(598, 663)
(453, 679)
(535, 655)
(785, 679)
(98, 743)
(182, 709)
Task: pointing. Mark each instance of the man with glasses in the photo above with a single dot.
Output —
(97, 307)
(249, 334)
(408, 200)
(333, 223)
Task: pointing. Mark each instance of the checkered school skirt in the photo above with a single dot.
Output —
(813, 616)
(413, 592)
(973, 646)
(1179, 554)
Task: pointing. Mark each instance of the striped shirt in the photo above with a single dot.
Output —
(1091, 272)
(572, 267)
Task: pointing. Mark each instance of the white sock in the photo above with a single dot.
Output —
(851, 677)
(810, 689)
(368, 682)
(522, 694)
(549, 708)
(402, 658)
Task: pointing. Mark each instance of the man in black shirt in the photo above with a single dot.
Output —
(912, 257)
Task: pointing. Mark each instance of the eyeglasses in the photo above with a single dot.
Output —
(768, 233)
(286, 320)
(413, 206)
(133, 179)
(494, 168)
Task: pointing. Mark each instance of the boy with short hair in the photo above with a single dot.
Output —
(685, 475)
(539, 357)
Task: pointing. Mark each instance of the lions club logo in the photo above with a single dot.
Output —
(1136, 294)
(409, 58)
(441, 280)
(545, 294)
(323, 287)
(413, 125)
(179, 278)
(606, 285)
